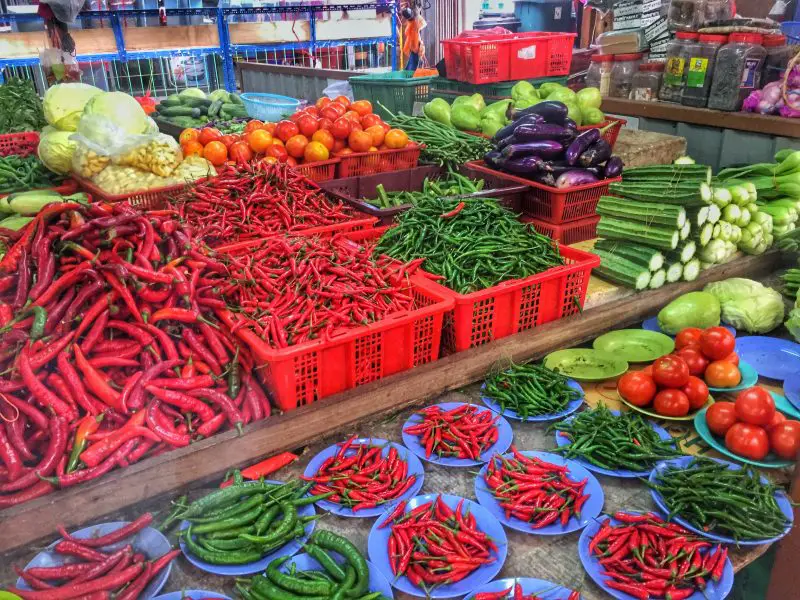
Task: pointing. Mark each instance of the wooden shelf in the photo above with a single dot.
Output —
(777, 126)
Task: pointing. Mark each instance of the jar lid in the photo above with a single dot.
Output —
(624, 57)
(748, 38)
(713, 38)
(772, 40)
(601, 58)
(653, 66)
(687, 35)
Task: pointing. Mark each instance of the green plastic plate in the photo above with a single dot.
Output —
(634, 345)
(654, 415)
(584, 364)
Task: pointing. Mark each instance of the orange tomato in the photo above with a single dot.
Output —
(359, 141)
(396, 138)
(377, 134)
(286, 129)
(216, 153)
(315, 151)
(189, 135)
(228, 140)
(269, 128)
(372, 149)
(192, 148)
(351, 114)
(324, 137)
(308, 125)
(259, 140)
(296, 145)
(323, 102)
(339, 145)
(253, 125)
(269, 160)
(722, 373)
(343, 152)
(370, 120)
(277, 152)
(240, 152)
(343, 100)
(362, 107)
(208, 134)
(291, 161)
(277, 142)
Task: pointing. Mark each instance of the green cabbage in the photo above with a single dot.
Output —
(748, 305)
(64, 103)
(793, 323)
(56, 150)
(119, 108)
(192, 93)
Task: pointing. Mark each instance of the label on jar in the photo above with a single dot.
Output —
(605, 83)
(696, 75)
(750, 73)
(673, 71)
(646, 94)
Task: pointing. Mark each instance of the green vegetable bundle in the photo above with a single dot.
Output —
(452, 184)
(530, 390)
(20, 107)
(473, 243)
(18, 174)
(443, 144)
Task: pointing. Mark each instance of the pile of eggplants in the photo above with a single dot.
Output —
(542, 144)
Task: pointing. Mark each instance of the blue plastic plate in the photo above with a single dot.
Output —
(530, 586)
(662, 433)
(786, 407)
(290, 548)
(304, 562)
(718, 444)
(791, 389)
(749, 379)
(378, 544)
(651, 324)
(504, 437)
(414, 468)
(591, 509)
(780, 497)
(192, 595)
(148, 541)
(571, 407)
(715, 590)
(771, 357)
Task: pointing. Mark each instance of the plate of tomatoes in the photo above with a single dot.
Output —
(710, 355)
(753, 429)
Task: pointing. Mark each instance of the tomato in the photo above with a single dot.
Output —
(697, 392)
(208, 134)
(687, 337)
(189, 135)
(296, 145)
(785, 439)
(386, 127)
(277, 152)
(339, 145)
(722, 374)
(229, 140)
(343, 100)
(259, 140)
(396, 138)
(341, 128)
(343, 152)
(311, 110)
(694, 359)
(353, 116)
(329, 113)
(720, 417)
(240, 152)
(323, 137)
(670, 371)
(637, 388)
(359, 141)
(216, 153)
(648, 370)
(286, 129)
(377, 134)
(370, 120)
(325, 124)
(777, 419)
(315, 152)
(307, 125)
(192, 149)
(362, 107)
(717, 343)
(356, 125)
(749, 441)
(755, 406)
(671, 403)
(323, 102)
(253, 125)
(295, 117)
(732, 358)
(291, 161)
(269, 160)
(277, 141)
(270, 128)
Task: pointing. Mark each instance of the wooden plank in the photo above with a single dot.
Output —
(28, 44)
(174, 36)
(270, 33)
(210, 459)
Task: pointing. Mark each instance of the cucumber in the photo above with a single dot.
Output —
(196, 102)
(624, 272)
(171, 100)
(649, 257)
(235, 110)
(180, 111)
(691, 270)
(663, 238)
(647, 212)
(235, 99)
(214, 109)
(674, 272)
(30, 203)
(15, 223)
(658, 279)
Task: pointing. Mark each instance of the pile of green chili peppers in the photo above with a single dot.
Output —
(443, 144)
(336, 580)
(20, 107)
(731, 502)
(472, 243)
(626, 441)
(22, 173)
(530, 390)
(452, 184)
(244, 522)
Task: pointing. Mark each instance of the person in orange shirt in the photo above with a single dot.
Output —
(413, 48)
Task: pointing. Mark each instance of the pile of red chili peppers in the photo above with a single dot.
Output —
(648, 558)
(361, 477)
(463, 432)
(108, 353)
(251, 201)
(435, 545)
(94, 574)
(533, 490)
(515, 593)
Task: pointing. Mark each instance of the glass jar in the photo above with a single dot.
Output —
(599, 73)
(686, 15)
(737, 71)
(647, 82)
(679, 51)
(625, 66)
(778, 57)
(700, 70)
(717, 10)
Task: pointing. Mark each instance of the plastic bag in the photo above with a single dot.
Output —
(59, 66)
(339, 88)
(65, 10)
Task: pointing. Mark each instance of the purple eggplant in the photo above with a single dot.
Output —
(598, 153)
(525, 165)
(613, 167)
(552, 111)
(544, 178)
(570, 123)
(581, 144)
(542, 148)
(542, 131)
(506, 131)
(574, 178)
(557, 167)
(492, 157)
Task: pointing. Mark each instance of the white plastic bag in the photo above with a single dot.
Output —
(339, 88)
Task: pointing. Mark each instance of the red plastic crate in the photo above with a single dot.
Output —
(556, 205)
(146, 199)
(612, 133)
(566, 233)
(21, 144)
(323, 170)
(314, 370)
(540, 54)
(382, 161)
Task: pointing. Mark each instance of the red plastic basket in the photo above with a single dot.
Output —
(147, 199)
(612, 133)
(313, 370)
(21, 144)
(370, 163)
(540, 54)
(556, 205)
(323, 170)
(566, 233)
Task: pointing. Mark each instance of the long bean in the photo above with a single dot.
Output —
(530, 390)
(443, 144)
(18, 173)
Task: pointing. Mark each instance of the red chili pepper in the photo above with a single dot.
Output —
(107, 582)
(459, 207)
